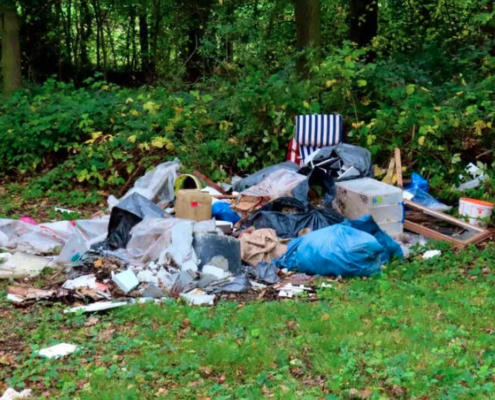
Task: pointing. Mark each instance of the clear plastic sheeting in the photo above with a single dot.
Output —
(47, 238)
(277, 184)
(158, 184)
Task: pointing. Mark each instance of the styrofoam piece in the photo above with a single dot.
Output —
(57, 351)
(12, 394)
(126, 280)
(147, 277)
(21, 265)
(431, 253)
(217, 272)
(85, 281)
(197, 297)
(100, 306)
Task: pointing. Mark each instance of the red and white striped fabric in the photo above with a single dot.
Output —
(314, 132)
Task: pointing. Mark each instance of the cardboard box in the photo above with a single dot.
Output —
(193, 205)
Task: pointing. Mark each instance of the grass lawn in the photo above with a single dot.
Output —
(423, 329)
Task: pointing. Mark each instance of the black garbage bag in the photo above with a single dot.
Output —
(337, 159)
(125, 215)
(318, 180)
(288, 216)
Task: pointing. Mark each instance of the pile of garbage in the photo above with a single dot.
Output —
(179, 235)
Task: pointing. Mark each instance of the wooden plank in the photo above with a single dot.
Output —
(209, 181)
(398, 167)
(479, 234)
(390, 172)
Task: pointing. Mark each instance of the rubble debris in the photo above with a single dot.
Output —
(85, 281)
(153, 292)
(210, 247)
(95, 307)
(11, 394)
(238, 284)
(218, 273)
(126, 280)
(431, 253)
(197, 297)
(57, 351)
(193, 205)
(19, 294)
(289, 290)
(267, 272)
(20, 265)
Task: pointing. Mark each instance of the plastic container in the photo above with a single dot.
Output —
(392, 228)
(365, 196)
(475, 210)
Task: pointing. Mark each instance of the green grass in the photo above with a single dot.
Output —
(424, 330)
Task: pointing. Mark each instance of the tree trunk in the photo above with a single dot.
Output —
(363, 21)
(144, 43)
(308, 30)
(11, 53)
(195, 63)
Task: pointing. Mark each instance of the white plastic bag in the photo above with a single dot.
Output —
(157, 184)
(277, 184)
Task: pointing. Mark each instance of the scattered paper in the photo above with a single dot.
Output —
(101, 306)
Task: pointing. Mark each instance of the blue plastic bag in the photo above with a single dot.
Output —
(338, 250)
(419, 188)
(366, 224)
(221, 212)
(352, 248)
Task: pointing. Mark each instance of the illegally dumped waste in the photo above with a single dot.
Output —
(184, 238)
(57, 351)
(11, 394)
(431, 253)
(289, 217)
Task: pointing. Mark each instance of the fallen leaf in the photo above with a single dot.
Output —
(325, 317)
(98, 263)
(91, 321)
(284, 388)
(222, 379)
(266, 392)
(365, 394)
(205, 371)
(161, 392)
(185, 324)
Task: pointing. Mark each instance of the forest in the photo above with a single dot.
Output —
(95, 90)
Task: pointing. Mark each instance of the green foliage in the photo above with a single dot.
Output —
(99, 134)
(351, 341)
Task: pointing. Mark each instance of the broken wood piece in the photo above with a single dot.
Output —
(472, 234)
(398, 167)
(209, 181)
(390, 172)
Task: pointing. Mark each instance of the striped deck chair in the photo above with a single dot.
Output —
(314, 132)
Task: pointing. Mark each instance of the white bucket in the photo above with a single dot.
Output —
(475, 210)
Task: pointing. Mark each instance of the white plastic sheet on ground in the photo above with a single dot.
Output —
(277, 184)
(47, 238)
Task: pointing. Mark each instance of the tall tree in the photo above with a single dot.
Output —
(363, 21)
(199, 12)
(144, 40)
(308, 29)
(11, 53)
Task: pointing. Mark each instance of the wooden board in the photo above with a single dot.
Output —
(478, 234)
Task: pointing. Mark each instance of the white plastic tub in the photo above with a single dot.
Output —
(475, 210)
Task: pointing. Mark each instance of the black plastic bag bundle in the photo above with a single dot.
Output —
(288, 216)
